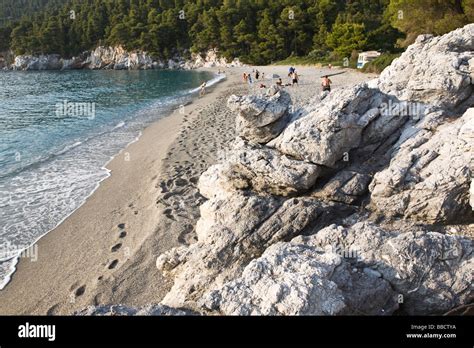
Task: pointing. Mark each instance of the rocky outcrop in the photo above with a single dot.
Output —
(117, 58)
(429, 175)
(341, 208)
(337, 126)
(231, 232)
(211, 59)
(358, 270)
(261, 118)
(434, 70)
(264, 170)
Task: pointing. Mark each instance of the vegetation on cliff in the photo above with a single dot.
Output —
(257, 31)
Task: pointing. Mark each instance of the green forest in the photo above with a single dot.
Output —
(256, 31)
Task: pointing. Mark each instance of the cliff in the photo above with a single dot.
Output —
(116, 58)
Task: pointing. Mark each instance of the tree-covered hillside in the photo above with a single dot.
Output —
(257, 31)
(11, 10)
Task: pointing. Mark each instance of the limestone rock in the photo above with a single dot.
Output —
(433, 70)
(345, 187)
(429, 175)
(323, 136)
(42, 62)
(431, 270)
(260, 118)
(299, 279)
(359, 270)
(210, 59)
(231, 232)
(402, 153)
(264, 170)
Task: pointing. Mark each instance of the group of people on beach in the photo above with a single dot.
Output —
(292, 74)
(247, 77)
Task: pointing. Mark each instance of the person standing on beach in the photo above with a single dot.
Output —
(202, 91)
(291, 71)
(326, 84)
(295, 79)
(245, 77)
(257, 74)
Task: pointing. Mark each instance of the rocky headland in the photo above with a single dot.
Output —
(113, 58)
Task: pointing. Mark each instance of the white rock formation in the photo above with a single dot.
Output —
(410, 141)
(434, 70)
(429, 175)
(264, 170)
(118, 58)
(210, 60)
(359, 270)
(261, 118)
(43, 62)
(336, 126)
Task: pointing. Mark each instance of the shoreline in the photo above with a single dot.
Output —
(105, 251)
(192, 94)
(161, 135)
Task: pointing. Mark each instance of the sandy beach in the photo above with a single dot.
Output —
(105, 252)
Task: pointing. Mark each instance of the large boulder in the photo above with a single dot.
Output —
(264, 170)
(358, 270)
(434, 70)
(432, 271)
(261, 118)
(429, 175)
(298, 278)
(326, 134)
(231, 232)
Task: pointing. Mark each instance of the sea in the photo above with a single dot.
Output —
(59, 129)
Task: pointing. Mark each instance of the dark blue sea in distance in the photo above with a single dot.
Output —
(58, 130)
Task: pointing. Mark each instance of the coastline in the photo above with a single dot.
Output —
(91, 259)
(29, 290)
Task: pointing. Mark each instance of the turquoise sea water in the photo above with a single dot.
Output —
(57, 132)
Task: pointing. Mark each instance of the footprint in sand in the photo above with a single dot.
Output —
(121, 226)
(52, 310)
(80, 291)
(122, 234)
(116, 247)
(113, 264)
